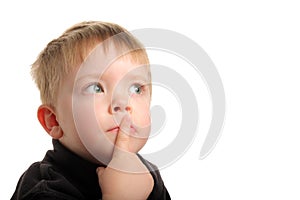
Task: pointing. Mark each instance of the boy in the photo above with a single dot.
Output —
(95, 87)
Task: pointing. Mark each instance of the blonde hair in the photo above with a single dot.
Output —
(68, 51)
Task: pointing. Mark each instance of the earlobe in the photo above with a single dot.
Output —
(47, 119)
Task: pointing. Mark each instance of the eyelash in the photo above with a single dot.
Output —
(90, 89)
(94, 85)
(139, 86)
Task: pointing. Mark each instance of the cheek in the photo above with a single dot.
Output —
(88, 115)
(65, 117)
(140, 112)
(102, 116)
(141, 119)
(84, 115)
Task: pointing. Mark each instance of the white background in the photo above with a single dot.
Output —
(255, 46)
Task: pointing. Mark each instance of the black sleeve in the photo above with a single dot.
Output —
(40, 182)
(159, 191)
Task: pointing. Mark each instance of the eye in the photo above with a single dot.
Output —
(94, 88)
(135, 89)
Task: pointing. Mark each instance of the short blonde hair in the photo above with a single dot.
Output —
(68, 51)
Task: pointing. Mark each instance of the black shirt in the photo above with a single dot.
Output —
(63, 175)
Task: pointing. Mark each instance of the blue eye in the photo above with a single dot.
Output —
(135, 89)
(94, 88)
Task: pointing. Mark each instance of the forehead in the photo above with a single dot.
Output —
(109, 61)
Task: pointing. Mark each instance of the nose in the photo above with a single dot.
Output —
(120, 106)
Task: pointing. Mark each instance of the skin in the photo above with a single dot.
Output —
(102, 114)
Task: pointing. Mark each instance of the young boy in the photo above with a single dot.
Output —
(95, 87)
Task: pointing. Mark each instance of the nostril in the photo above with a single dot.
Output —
(120, 108)
(128, 109)
(117, 108)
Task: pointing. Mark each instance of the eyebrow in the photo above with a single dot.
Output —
(97, 76)
(93, 76)
(138, 75)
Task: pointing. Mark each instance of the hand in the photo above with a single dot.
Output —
(125, 177)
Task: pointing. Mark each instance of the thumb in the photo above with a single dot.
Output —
(123, 138)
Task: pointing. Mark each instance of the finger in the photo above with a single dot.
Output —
(123, 138)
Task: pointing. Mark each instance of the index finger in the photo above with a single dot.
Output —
(123, 137)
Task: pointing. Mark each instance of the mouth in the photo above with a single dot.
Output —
(117, 128)
(113, 130)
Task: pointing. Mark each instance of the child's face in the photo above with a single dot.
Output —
(93, 100)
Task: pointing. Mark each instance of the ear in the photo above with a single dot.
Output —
(47, 118)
